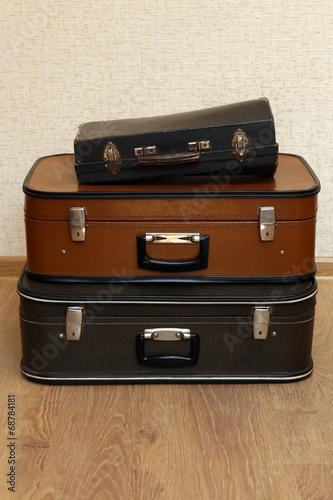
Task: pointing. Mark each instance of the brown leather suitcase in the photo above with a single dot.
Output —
(214, 228)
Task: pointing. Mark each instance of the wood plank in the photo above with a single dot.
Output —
(305, 415)
(308, 433)
(322, 350)
(11, 267)
(228, 439)
(114, 436)
(10, 341)
(324, 266)
(314, 482)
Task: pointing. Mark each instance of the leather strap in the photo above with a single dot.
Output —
(169, 159)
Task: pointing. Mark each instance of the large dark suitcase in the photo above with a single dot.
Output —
(236, 138)
(199, 228)
(153, 332)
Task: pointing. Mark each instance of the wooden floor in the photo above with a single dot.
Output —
(170, 441)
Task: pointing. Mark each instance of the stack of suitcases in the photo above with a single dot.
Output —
(170, 249)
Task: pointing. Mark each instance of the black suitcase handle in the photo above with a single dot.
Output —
(200, 262)
(167, 361)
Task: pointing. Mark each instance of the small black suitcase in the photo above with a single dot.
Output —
(171, 332)
(235, 138)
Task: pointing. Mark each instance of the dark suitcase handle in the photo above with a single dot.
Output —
(170, 159)
(200, 262)
(167, 334)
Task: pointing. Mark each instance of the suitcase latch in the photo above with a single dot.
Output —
(261, 317)
(240, 142)
(199, 145)
(145, 151)
(167, 334)
(77, 223)
(74, 323)
(112, 156)
(266, 223)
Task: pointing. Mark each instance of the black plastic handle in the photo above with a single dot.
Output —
(168, 361)
(145, 262)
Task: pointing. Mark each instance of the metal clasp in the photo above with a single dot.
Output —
(267, 222)
(167, 334)
(74, 323)
(145, 151)
(172, 238)
(261, 316)
(77, 223)
(199, 145)
(112, 156)
(111, 152)
(240, 142)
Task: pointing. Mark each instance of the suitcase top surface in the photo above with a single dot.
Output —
(255, 110)
(54, 177)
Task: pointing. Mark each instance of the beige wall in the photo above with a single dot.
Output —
(66, 62)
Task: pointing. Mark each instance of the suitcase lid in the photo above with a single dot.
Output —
(54, 177)
(166, 292)
(237, 130)
(51, 190)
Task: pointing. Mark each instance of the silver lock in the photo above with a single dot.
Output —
(77, 223)
(267, 222)
(74, 317)
(261, 317)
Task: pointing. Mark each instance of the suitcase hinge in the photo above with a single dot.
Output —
(112, 156)
(261, 317)
(267, 224)
(74, 323)
(77, 223)
(240, 142)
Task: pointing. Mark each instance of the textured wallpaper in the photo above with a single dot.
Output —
(66, 62)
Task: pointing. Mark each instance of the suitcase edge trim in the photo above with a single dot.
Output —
(171, 279)
(296, 298)
(167, 379)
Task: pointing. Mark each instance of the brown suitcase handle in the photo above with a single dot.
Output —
(168, 159)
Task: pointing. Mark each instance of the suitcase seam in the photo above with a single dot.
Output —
(298, 225)
(253, 225)
(173, 216)
(141, 322)
(291, 322)
(40, 323)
